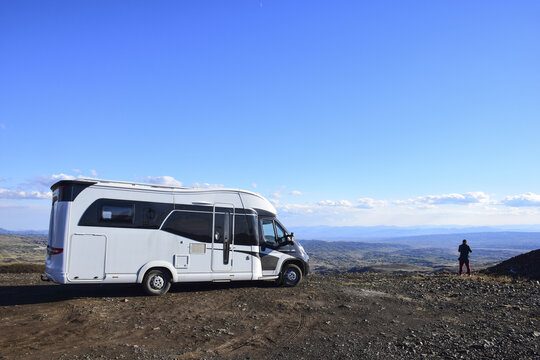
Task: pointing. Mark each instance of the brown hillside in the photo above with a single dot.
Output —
(526, 265)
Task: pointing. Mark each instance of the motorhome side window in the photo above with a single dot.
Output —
(117, 213)
(192, 225)
(223, 228)
(244, 230)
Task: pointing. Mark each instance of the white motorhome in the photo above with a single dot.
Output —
(119, 232)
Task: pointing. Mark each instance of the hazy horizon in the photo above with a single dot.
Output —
(381, 230)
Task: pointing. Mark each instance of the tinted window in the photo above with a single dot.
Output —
(223, 228)
(192, 225)
(68, 190)
(244, 230)
(117, 213)
(124, 213)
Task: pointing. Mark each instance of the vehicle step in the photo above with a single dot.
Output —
(273, 277)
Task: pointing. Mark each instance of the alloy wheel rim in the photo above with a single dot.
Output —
(157, 282)
(291, 275)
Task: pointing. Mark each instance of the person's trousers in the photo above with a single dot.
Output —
(466, 262)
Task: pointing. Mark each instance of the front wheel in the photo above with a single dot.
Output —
(291, 275)
(156, 282)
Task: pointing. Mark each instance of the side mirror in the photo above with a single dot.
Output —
(286, 240)
(290, 238)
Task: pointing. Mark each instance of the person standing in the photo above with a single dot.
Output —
(464, 251)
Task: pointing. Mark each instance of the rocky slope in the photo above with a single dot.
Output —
(363, 315)
(524, 265)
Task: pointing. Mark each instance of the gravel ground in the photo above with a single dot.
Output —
(371, 316)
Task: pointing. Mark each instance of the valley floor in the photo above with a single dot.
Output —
(370, 316)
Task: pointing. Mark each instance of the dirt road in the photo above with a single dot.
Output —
(328, 316)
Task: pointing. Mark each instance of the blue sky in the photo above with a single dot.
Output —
(342, 112)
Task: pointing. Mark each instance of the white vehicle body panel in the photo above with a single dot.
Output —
(87, 257)
(114, 232)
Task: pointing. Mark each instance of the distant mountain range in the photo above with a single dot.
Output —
(380, 232)
(24, 232)
(524, 238)
(524, 241)
(495, 237)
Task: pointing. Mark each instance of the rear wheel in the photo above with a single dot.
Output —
(291, 275)
(156, 282)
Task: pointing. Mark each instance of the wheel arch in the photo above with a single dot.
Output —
(157, 265)
(301, 264)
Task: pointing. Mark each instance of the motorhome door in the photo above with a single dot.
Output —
(223, 237)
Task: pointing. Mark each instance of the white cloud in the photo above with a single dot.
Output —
(368, 203)
(79, 172)
(364, 203)
(207, 185)
(276, 194)
(312, 214)
(163, 180)
(40, 183)
(294, 208)
(327, 211)
(447, 199)
(20, 194)
(340, 203)
(295, 192)
(528, 199)
(45, 181)
(275, 202)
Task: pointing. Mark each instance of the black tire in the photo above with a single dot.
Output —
(291, 275)
(156, 282)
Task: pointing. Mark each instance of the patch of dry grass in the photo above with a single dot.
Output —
(22, 249)
(19, 268)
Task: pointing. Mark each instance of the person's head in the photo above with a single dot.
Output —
(464, 241)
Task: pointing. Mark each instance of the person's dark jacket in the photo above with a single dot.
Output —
(464, 251)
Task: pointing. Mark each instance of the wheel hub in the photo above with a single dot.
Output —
(291, 275)
(157, 282)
